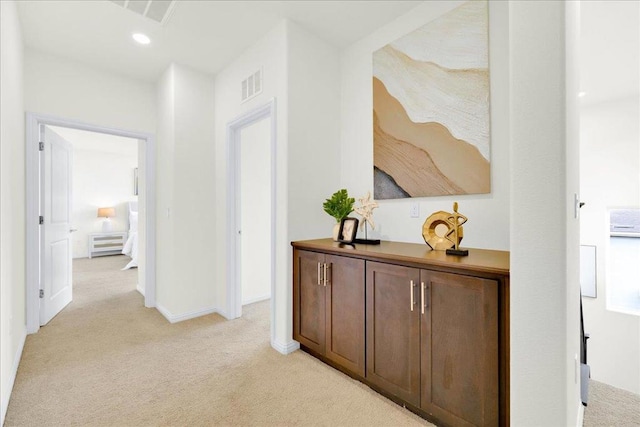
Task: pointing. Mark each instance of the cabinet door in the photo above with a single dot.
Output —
(393, 330)
(345, 312)
(460, 349)
(309, 301)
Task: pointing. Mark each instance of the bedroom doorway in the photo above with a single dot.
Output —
(251, 141)
(103, 211)
(117, 213)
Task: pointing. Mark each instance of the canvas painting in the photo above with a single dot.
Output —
(431, 118)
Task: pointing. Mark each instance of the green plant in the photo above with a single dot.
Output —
(340, 205)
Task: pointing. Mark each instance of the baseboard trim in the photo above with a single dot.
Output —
(139, 289)
(257, 299)
(12, 379)
(175, 318)
(223, 313)
(580, 414)
(285, 348)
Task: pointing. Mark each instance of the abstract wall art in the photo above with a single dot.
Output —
(431, 115)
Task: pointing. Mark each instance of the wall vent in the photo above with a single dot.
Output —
(156, 10)
(252, 86)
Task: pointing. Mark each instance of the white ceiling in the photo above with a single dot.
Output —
(206, 35)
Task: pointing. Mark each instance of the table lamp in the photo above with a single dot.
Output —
(106, 213)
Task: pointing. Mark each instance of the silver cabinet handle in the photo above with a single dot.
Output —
(422, 296)
(325, 274)
(411, 286)
(319, 274)
(73, 230)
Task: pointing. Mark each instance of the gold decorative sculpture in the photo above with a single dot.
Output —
(443, 231)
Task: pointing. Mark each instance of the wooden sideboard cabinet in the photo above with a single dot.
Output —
(328, 301)
(436, 328)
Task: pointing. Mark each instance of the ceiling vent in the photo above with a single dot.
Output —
(156, 10)
(252, 86)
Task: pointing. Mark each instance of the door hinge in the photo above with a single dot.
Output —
(41, 293)
(41, 220)
(41, 146)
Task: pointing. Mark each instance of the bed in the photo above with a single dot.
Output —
(131, 245)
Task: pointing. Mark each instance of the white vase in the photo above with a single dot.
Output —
(336, 231)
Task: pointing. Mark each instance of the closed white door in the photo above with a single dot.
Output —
(55, 255)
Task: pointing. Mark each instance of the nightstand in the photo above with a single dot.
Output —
(111, 243)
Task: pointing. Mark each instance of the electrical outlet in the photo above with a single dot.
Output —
(415, 210)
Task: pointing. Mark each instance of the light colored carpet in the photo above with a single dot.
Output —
(105, 360)
(611, 407)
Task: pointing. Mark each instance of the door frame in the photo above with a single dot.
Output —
(33, 123)
(234, 127)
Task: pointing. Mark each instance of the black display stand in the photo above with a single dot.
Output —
(367, 241)
(459, 252)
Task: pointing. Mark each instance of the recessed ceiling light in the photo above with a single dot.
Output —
(582, 94)
(141, 38)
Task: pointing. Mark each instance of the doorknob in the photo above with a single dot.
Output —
(73, 230)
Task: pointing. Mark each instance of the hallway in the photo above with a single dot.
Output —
(106, 360)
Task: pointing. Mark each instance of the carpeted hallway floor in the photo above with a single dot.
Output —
(105, 360)
(611, 407)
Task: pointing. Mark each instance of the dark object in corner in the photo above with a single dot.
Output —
(585, 370)
(459, 252)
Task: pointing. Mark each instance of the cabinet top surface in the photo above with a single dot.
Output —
(478, 259)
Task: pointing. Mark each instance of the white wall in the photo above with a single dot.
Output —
(302, 73)
(255, 211)
(102, 177)
(610, 167)
(186, 195)
(544, 289)
(314, 147)
(12, 202)
(488, 225)
(72, 90)
(270, 54)
(528, 183)
(314, 133)
(164, 182)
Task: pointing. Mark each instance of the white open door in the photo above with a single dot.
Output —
(55, 249)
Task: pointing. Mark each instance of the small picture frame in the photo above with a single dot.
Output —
(348, 230)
